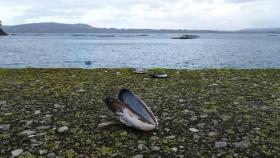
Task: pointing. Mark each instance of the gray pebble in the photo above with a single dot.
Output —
(5, 127)
(37, 112)
(155, 148)
(220, 144)
(138, 156)
(26, 133)
(16, 152)
(62, 129)
(51, 155)
(193, 130)
(141, 146)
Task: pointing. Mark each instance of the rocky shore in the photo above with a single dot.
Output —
(202, 113)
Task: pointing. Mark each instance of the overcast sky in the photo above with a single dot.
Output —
(156, 14)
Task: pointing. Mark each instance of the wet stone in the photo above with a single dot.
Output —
(43, 127)
(138, 156)
(154, 138)
(155, 148)
(5, 127)
(62, 129)
(201, 125)
(16, 152)
(26, 133)
(57, 106)
(174, 149)
(37, 112)
(243, 144)
(212, 134)
(41, 152)
(193, 130)
(141, 146)
(220, 144)
(193, 118)
(51, 155)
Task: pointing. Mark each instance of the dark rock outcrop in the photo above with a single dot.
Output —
(2, 33)
(187, 37)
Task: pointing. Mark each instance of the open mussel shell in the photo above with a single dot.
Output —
(132, 111)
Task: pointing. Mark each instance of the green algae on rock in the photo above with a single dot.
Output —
(236, 110)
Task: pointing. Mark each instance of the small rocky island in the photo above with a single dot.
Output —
(2, 33)
(187, 37)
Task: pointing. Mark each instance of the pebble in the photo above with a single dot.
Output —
(2, 102)
(118, 73)
(37, 112)
(193, 118)
(138, 156)
(201, 125)
(62, 129)
(193, 130)
(57, 106)
(141, 146)
(5, 127)
(243, 144)
(154, 138)
(212, 134)
(41, 152)
(155, 148)
(26, 133)
(220, 144)
(43, 127)
(203, 116)
(16, 152)
(51, 155)
(181, 100)
(174, 149)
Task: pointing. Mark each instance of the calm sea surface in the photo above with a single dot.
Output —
(134, 50)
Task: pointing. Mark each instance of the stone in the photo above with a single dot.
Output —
(174, 149)
(57, 106)
(201, 125)
(62, 129)
(17, 152)
(155, 148)
(2, 102)
(141, 146)
(26, 133)
(118, 73)
(203, 116)
(193, 118)
(243, 144)
(37, 112)
(170, 137)
(43, 127)
(193, 130)
(154, 138)
(51, 155)
(5, 127)
(138, 156)
(41, 152)
(220, 144)
(212, 134)
(181, 100)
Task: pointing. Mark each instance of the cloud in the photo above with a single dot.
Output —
(188, 14)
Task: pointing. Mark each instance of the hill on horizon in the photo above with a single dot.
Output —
(53, 27)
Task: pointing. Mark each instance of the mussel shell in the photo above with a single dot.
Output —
(131, 110)
(137, 105)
